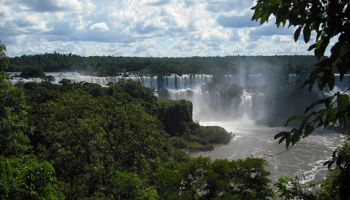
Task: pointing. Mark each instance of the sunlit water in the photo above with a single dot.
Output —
(304, 160)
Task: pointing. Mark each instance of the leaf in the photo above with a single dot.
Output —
(307, 34)
(297, 33)
(321, 101)
(282, 139)
(320, 84)
(288, 141)
(339, 160)
(329, 163)
(311, 47)
(281, 134)
(342, 101)
(308, 130)
(295, 138)
(310, 84)
(331, 81)
(295, 117)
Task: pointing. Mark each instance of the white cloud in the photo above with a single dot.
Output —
(139, 27)
(49, 5)
(100, 26)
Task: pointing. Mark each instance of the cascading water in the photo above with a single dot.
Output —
(235, 104)
(222, 102)
(207, 105)
(246, 105)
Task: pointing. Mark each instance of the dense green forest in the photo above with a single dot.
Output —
(84, 141)
(108, 65)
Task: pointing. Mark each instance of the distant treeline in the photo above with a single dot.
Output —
(108, 65)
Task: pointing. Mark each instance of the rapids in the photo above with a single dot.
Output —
(304, 160)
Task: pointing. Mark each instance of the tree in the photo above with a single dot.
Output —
(327, 19)
(127, 185)
(27, 178)
(13, 114)
(22, 176)
(201, 178)
(4, 61)
(88, 138)
(30, 72)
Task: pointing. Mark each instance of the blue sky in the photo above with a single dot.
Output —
(170, 28)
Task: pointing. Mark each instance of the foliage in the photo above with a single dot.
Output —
(179, 142)
(214, 135)
(112, 66)
(289, 188)
(91, 142)
(328, 19)
(96, 140)
(175, 115)
(31, 72)
(129, 186)
(336, 186)
(132, 91)
(201, 178)
(13, 120)
(4, 61)
(84, 136)
(27, 178)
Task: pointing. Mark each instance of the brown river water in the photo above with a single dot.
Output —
(305, 159)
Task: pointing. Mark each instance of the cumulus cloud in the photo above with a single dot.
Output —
(50, 5)
(142, 28)
(100, 26)
(157, 2)
(271, 29)
(236, 21)
(139, 28)
(219, 6)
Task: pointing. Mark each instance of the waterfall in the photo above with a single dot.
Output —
(246, 105)
(208, 104)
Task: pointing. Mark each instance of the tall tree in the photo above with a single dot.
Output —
(323, 21)
(13, 114)
(4, 61)
(328, 20)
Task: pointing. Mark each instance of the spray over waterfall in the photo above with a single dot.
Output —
(225, 102)
(253, 106)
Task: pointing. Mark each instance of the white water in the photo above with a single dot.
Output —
(304, 160)
(172, 81)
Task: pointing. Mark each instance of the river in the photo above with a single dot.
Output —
(220, 107)
(304, 160)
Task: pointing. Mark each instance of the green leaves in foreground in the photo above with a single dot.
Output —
(320, 21)
(329, 111)
(201, 178)
(13, 120)
(326, 20)
(27, 178)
